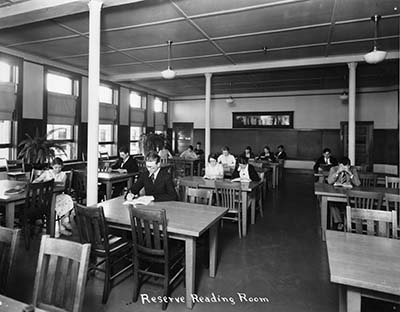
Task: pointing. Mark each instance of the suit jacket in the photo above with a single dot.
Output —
(281, 155)
(162, 189)
(270, 157)
(252, 173)
(130, 165)
(251, 155)
(321, 161)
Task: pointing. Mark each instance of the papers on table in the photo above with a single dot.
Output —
(142, 200)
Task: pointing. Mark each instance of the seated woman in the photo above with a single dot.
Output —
(267, 155)
(245, 172)
(59, 178)
(248, 153)
(189, 153)
(214, 170)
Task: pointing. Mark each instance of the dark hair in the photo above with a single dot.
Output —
(225, 148)
(345, 161)
(326, 150)
(190, 147)
(248, 148)
(267, 147)
(58, 161)
(281, 146)
(212, 155)
(153, 156)
(243, 160)
(124, 149)
(198, 143)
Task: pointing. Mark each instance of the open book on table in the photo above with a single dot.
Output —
(345, 184)
(142, 200)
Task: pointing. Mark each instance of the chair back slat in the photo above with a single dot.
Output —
(198, 196)
(392, 182)
(371, 222)
(92, 226)
(61, 275)
(229, 195)
(368, 179)
(8, 246)
(79, 182)
(364, 199)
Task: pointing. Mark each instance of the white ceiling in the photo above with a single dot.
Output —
(226, 37)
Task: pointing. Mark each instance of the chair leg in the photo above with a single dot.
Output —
(106, 288)
(240, 225)
(136, 283)
(165, 292)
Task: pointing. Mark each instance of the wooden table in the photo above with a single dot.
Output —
(185, 222)
(110, 178)
(11, 305)
(363, 266)
(328, 192)
(9, 201)
(248, 188)
(275, 170)
(191, 162)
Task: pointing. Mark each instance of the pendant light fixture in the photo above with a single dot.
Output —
(169, 73)
(230, 100)
(375, 56)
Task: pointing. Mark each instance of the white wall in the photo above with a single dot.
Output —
(315, 111)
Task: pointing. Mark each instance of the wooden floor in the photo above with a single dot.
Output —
(282, 261)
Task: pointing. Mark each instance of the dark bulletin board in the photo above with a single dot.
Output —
(309, 144)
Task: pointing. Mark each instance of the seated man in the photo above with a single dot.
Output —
(198, 150)
(344, 175)
(325, 162)
(227, 160)
(281, 154)
(125, 164)
(157, 182)
(189, 153)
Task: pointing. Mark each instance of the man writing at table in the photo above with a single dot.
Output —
(156, 181)
(125, 164)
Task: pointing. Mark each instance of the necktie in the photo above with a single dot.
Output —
(152, 177)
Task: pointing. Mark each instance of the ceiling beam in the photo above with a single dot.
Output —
(39, 10)
(315, 61)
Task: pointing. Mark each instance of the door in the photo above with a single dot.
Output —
(364, 141)
(182, 136)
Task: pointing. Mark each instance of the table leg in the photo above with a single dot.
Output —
(244, 213)
(190, 262)
(342, 298)
(52, 224)
(324, 215)
(353, 299)
(277, 176)
(273, 176)
(108, 189)
(253, 207)
(10, 214)
(213, 248)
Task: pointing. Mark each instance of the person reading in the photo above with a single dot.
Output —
(245, 172)
(267, 155)
(214, 170)
(226, 159)
(248, 153)
(189, 153)
(125, 164)
(155, 180)
(325, 161)
(281, 154)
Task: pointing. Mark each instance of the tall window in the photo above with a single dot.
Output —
(8, 95)
(158, 105)
(135, 100)
(108, 97)
(137, 117)
(61, 108)
(136, 132)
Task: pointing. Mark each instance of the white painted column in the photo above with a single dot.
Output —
(207, 117)
(93, 95)
(352, 113)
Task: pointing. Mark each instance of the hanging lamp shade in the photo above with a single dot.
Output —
(375, 56)
(169, 73)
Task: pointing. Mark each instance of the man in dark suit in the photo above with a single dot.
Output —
(326, 161)
(157, 182)
(125, 164)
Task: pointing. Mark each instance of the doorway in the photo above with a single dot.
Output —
(182, 135)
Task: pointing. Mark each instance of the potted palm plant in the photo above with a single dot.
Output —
(151, 142)
(38, 151)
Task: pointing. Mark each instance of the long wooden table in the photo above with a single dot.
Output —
(327, 193)
(247, 188)
(10, 200)
(11, 305)
(274, 166)
(110, 178)
(185, 222)
(363, 266)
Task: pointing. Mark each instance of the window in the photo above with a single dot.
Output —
(135, 100)
(158, 105)
(106, 95)
(136, 132)
(5, 139)
(64, 134)
(106, 139)
(5, 72)
(59, 84)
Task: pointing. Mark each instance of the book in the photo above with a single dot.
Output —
(346, 184)
(142, 200)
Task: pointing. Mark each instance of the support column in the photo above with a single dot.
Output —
(93, 94)
(352, 113)
(207, 118)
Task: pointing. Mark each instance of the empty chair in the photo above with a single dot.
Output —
(371, 222)
(154, 255)
(365, 200)
(38, 205)
(198, 196)
(114, 252)
(368, 179)
(8, 246)
(229, 195)
(79, 181)
(392, 202)
(104, 156)
(392, 182)
(61, 275)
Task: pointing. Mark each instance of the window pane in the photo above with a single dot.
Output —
(135, 100)
(106, 133)
(5, 153)
(5, 131)
(59, 84)
(158, 106)
(165, 107)
(5, 72)
(61, 132)
(105, 95)
(70, 150)
(135, 133)
(135, 148)
(111, 149)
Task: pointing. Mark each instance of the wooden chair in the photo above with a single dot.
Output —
(154, 255)
(16, 165)
(229, 195)
(35, 173)
(8, 245)
(368, 179)
(392, 182)
(38, 205)
(61, 275)
(198, 196)
(371, 222)
(364, 199)
(392, 202)
(179, 167)
(104, 156)
(141, 165)
(79, 182)
(111, 250)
